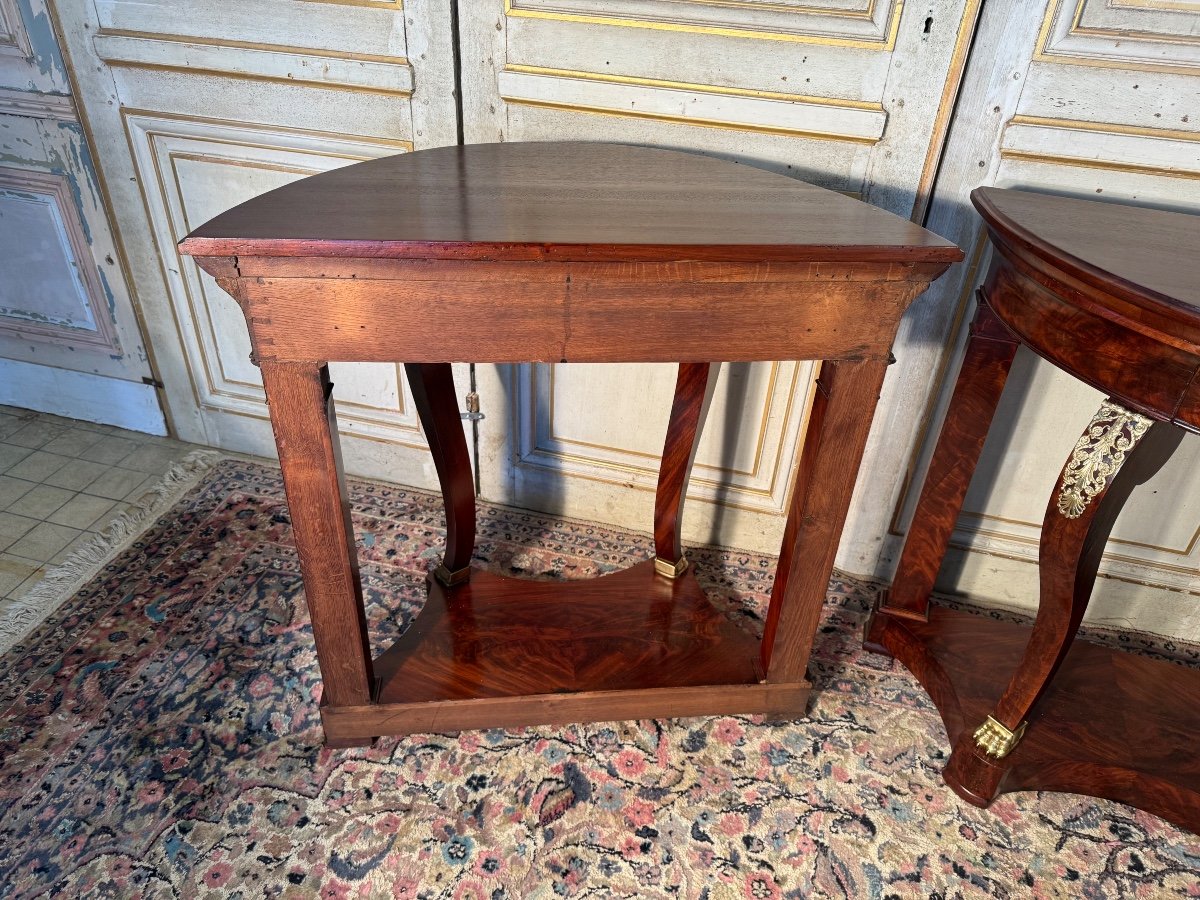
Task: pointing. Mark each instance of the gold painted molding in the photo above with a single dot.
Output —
(689, 120)
(887, 43)
(1172, 134)
(693, 87)
(1043, 52)
(1086, 163)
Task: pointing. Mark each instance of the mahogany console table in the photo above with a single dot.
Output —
(1111, 294)
(562, 252)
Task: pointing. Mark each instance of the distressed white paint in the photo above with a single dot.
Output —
(40, 278)
(795, 114)
(820, 94)
(81, 395)
(384, 76)
(205, 107)
(1083, 128)
(62, 288)
(859, 20)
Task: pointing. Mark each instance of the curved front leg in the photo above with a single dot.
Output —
(1117, 451)
(433, 391)
(693, 393)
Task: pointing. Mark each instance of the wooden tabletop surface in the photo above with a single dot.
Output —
(1144, 255)
(562, 200)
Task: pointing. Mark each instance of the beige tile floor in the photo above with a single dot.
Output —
(61, 482)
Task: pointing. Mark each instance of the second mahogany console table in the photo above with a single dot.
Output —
(1110, 294)
(562, 252)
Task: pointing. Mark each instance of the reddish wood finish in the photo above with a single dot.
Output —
(1108, 293)
(833, 448)
(986, 362)
(432, 387)
(1068, 560)
(619, 632)
(302, 416)
(565, 201)
(558, 252)
(693, 391)
(1111, 724)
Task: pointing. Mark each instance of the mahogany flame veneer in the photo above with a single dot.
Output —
(562, 252)
(1110, 294)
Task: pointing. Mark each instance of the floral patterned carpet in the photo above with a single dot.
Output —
(159, 738)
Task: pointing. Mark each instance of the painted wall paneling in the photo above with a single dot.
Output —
(851, 95)
(1090, 100)
(204, 106)
(66, 314)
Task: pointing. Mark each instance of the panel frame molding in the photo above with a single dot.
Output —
(14, 39)
(739, 109)
(874, 31)
(103, 336)
(764, 489)
(1066, 40)
(157, 141)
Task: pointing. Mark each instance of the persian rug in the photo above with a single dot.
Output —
(159, 738)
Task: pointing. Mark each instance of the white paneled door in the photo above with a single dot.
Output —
(69, 337)
(195, 107)
(1098, 99)
(853, 95)
(199, 106)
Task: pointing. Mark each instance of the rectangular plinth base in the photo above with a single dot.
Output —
(502, 652)
(354, 725)
(1112, 724)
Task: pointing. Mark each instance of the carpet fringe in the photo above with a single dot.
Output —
(22, 616)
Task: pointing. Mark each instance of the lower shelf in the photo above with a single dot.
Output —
(1112, 724)
(499, 651)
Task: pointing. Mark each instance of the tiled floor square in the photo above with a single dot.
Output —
(11, 454)
(40, 502)
(63, 482)
(35, 434)
(13, 527)
(15, 571)
(110, 450)
(116, 484)
(43, 541)
(78, 475)
(38, 466)
(81, 511)
(12, 490)
(73, 441)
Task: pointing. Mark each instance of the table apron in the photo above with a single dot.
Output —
(603, 321)
(1100, 350)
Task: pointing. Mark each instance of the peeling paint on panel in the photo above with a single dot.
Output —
(46, 54)
(110, 299)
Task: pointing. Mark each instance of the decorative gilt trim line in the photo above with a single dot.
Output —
(1105, 165)
(995, 739)
(158, 37)
(1043, 53)
(1098, 455)
(941, 120)
(254, 62)
(59, 107)
(689, 120)
(888, 42)
(1171, 134)
(693, 87)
